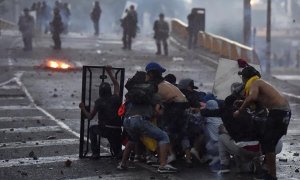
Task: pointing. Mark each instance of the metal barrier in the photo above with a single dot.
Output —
(92, 77)
(221, 46)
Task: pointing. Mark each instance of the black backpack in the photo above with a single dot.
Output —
(141, 93)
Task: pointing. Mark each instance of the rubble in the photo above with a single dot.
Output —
(68, 163)
(296, 154)
(283, 160)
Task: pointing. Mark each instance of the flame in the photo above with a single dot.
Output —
(255, 2)
(58, 64)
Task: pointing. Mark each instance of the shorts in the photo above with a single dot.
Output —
(136, 126)
(276, 126)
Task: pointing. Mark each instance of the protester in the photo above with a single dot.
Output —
(258, 91)
(26, 27)
(56, 29)
(95, 17)
(161, 34)
(129, 25)
(109, 123)
(141, 109)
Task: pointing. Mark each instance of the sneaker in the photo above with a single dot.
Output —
(171, 158)
(195, 153)
(214, 160)
(121, 167)
(224, 169)
(215, 167)
(167, 169)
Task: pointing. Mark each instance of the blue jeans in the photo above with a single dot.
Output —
(136, 126)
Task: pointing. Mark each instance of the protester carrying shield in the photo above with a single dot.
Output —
(109, 123)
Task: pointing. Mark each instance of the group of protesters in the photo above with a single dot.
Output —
(173, 121)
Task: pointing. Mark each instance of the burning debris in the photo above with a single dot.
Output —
(58, 65)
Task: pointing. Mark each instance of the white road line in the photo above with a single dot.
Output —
(13, 98)
(60, 123)
(293, 132)
(109, 42)
(17, 108)
(55, 142)
(31, 129)
(29, 118)
(10, 62)
(6, 87)
(40, 160)
(288, 77)
(291, 95)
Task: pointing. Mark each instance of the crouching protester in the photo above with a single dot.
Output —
(142, 106)
(173, 120)
(278, 118)
(109, 123)
(233, 131)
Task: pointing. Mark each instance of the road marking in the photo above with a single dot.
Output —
(288, 77)
(29, 118)
(17, 108)
(291, 95)
(293, 132)
(31, 129)
(10, 62)
(51, 117)
(128, 175)
(40, 160)
(56, 142)
(10, 87)
(109, 42)
(12, 97)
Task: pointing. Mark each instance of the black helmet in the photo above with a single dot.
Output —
(105, 90)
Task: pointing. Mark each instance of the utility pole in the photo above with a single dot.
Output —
(247, 22)
(268, 39)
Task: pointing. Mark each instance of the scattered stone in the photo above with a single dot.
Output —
(6, 160)
(38, 121)
(36, 143)
(68, 163)
(296, 154)
(72, 95)
(56, 152)
(21, 162)
(55, 89)
(35, 157)
(51, 137)
(23, 141)
(297, 170)
(31, 154)
(99, 177)
(3, 145)
(55, 95)
(29, 138)
(50, 168)
(49, 74)
(291, 143)
(12, 129)
(61, 172)
(24, 173)
(283, 160)
(62, 119)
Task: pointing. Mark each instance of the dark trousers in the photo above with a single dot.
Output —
(165, 45)
(27, 40)
(96, 27)
(127, 39)
(56, 40)
(114, 137)
(193, 38)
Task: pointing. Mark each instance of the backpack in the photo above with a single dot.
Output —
(141, 93)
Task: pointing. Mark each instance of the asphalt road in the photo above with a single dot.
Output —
(39, 115)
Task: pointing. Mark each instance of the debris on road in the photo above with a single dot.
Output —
(68, 163)
(282, 160)
(296, 154)
(51, 137)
